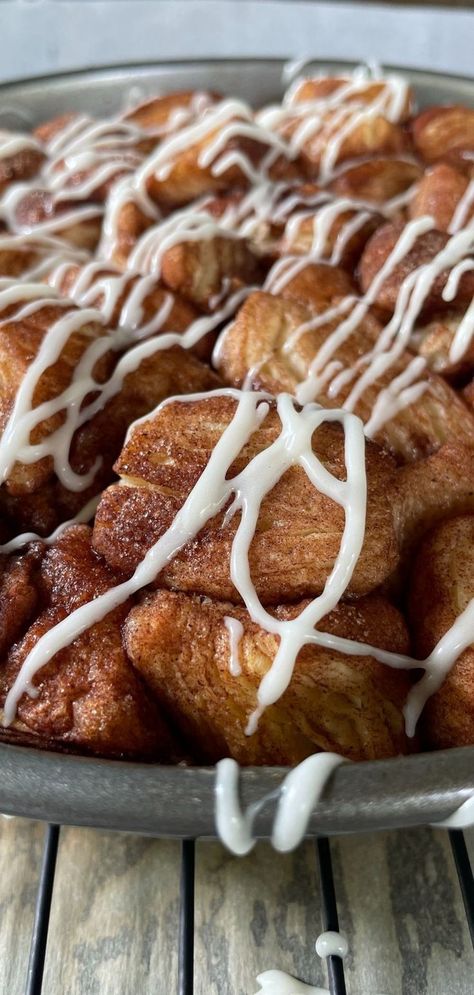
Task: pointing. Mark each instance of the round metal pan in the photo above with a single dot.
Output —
(178, 801)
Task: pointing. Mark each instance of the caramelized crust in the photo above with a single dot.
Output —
(90, 698)
(318, 286)
(376, 180)
(205, 269)
(426, 247)
(18, 595)
(352, 705)
(187, 179)
(322, 87)
(299, 530)
(299, 239)
(438, 195)
(20, 342)
(431, 490)
(20, 166)
(164, 373)
(441, 587)
(168, 112)
(441, 131)
(433, 340)
(37, 207)
(258, 341)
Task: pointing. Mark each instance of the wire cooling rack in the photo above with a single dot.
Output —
(329, 914)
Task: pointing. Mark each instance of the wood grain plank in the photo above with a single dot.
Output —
(254, 914)
(114, 919)
(399, 904)
(20, 856)
(115, 914)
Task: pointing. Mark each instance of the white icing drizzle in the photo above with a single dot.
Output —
(236, 631)
(342, 112)
(94, 287)
(394, 337)
(463, 336)
(83, 516)
(60, 222)
(297, 796)
(210, 494)
(11, 143)
(462, 209)
(188, 225)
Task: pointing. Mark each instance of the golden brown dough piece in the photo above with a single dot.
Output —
(203, 270)
(127, 223)
(178, 318)
(426, 247)
(439, 132)
(258, 340)
(299, 530)
(433, 340)
(22, 255)
(441, 587)
(352, 705)
(367, 132)
(90, 698)
(322, 87)
(21, 164)
(300, 238)
(164, 373)
(165, 114)
(376, 180)
(187, 178)
(439, 193)
(318, 286)
(79, 225)
(429, 491)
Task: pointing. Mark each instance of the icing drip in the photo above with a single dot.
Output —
(279, 983)
(236, 631)
(331, 944)
(294, 802)
(297, 796)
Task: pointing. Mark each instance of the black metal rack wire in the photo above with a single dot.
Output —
(329, 914)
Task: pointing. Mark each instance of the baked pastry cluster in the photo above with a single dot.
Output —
(237, 427)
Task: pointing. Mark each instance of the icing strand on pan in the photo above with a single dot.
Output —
(296, 798)
(293, 803)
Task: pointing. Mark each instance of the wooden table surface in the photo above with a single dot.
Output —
(114, 919)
